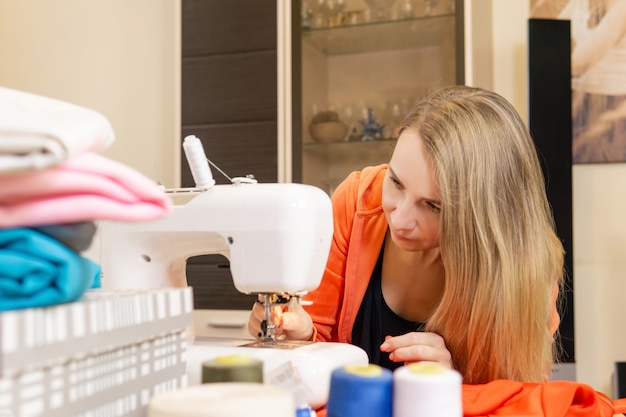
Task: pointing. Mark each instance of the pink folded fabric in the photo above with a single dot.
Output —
(38, 132)
(86, 187)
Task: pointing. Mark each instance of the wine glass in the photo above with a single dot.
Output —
(406, 9)
(379, 9)
(331, 9)
(430, 6)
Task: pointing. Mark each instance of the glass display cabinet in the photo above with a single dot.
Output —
(364, 64)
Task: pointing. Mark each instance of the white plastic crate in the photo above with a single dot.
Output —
(102, 356)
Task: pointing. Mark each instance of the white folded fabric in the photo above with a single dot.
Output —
(38, 132)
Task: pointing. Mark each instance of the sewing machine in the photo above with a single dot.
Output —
(277, 238)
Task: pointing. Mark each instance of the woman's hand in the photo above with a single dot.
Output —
(416, 347)
(290, 320)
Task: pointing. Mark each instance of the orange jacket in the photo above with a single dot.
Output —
(504, 398)
(360, 228)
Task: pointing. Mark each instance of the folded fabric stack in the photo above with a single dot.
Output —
(38, 132)
(53, 187)
(37, 270)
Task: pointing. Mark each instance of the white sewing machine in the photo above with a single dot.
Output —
(277, 238)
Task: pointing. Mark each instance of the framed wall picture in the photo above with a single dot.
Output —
(598, 59)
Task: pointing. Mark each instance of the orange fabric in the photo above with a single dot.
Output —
(504, 398)
(549, 399)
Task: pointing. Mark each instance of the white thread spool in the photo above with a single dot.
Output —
(224, 399)
(200, 169)
(427, 389)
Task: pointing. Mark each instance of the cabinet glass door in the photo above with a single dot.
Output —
(364, 64)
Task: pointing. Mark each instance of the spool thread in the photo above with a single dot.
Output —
(232, 368)
(427, 389)
(360, 391)
(229, 399)
(198, 164)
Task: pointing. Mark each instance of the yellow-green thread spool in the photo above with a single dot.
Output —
(232, 368)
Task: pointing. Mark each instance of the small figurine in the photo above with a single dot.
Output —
(371, 129)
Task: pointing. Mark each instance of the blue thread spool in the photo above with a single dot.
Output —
(360, 391)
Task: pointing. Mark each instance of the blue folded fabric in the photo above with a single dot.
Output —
(37, 270)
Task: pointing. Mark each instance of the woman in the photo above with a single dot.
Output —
(446, 254)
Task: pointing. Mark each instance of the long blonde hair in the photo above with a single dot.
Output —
(498, 244)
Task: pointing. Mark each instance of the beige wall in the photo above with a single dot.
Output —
(118, 57)
(599, 197)
(496, 44)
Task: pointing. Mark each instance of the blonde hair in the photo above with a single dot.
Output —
(499, 249)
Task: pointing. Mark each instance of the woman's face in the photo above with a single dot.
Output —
(411, 197)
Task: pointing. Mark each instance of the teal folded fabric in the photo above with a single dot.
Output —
(37, 270)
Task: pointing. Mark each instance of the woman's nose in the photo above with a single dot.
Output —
(403, 217)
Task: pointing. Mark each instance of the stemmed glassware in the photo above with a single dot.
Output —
(330, 9)
(379, 9)
(430, 6)
(406, 9)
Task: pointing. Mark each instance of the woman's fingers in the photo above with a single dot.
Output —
(416, 347)
(289, 320)
(296, 323)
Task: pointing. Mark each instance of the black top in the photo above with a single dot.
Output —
(375, 320)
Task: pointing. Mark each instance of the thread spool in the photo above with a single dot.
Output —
(360, 391)
(426, 389)
(227, 399)
(198, 164)
(232, 368)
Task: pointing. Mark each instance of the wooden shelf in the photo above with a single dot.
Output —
(377, 151)
(382, 36)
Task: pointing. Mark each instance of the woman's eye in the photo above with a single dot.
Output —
(433, 207)
(395, 182)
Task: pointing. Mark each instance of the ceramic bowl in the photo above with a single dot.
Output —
(328, 131)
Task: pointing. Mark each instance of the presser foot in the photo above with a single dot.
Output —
(268, 328)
